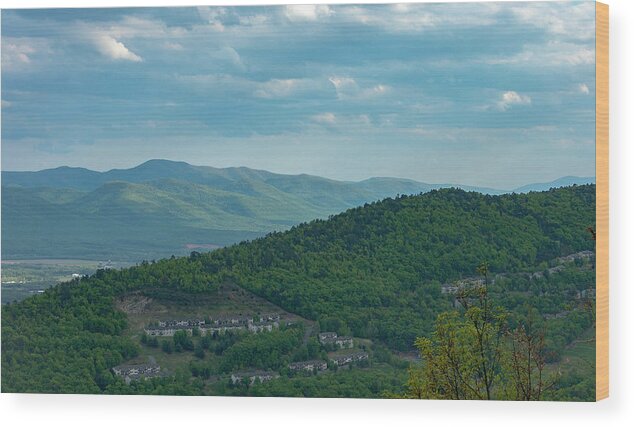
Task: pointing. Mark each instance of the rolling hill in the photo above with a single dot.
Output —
(374, 272)
(161, 207)
(565, 181)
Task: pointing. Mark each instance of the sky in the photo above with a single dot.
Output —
(489, 94)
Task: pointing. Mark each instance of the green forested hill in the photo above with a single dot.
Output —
(376, 269)
(373, 271)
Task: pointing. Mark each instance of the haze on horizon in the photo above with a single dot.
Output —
(487, 94)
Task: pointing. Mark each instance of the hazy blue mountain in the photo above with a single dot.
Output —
(163, 207)
(62, 177)
(234, 179)
(565, 181)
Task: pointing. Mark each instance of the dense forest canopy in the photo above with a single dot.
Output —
(373, 271)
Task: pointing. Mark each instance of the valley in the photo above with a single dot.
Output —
(23, 278)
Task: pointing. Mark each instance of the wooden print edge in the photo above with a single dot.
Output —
(602, 203)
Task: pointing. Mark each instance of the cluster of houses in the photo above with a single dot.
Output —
(311, 366)
(167, 328)
(105, 265)
(266, 322)
(315, 365)
(551, 270)
(321, 365)
(461, 285)
(344, 359)
(586, 294)
(560, 315)
(583, 255)
(308, 365)
(253, 377)
(331, 338)
(136, 372)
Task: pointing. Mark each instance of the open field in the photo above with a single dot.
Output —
(22, 278)
(580, 354)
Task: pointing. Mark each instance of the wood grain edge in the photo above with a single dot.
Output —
(602, 204)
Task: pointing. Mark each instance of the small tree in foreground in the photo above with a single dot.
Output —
(526, 363)
(472, 354)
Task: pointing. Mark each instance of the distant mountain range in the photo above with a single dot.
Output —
(164, 207)
(565, 181)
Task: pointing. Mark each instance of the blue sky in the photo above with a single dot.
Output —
(495, 94)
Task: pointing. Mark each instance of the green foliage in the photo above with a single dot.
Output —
(356, 383)
(475, 353)
(182, 341)
(199, 351)
(374, 271)
(266, 350)
(167, 346)
(66, 339)
(171, 386)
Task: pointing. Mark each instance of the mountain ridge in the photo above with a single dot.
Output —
(156, 168)
(159, 207)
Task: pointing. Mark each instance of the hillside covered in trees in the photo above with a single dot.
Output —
(374, 272)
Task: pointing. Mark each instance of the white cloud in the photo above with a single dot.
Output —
(270, 89)
(232, 56)
(111, 38)
(341, 82)
(378, 89)
(218, 82)
(283, 88)
(6, 104)
(212, 16)
(330, 119)
(253, 20)
(326, 118)
(583, 88)
(403, 18)
(365, 119)
(348, 88)
(307, 12)
(227, 56)
(553, 53)
(277, 88)
(133, 27)
(540, 16)
(16, 53)
(510, 98)
(115, 50)
(172, 46)
(413, 18)
(561, 19)
(401, 7)
(580, 56)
